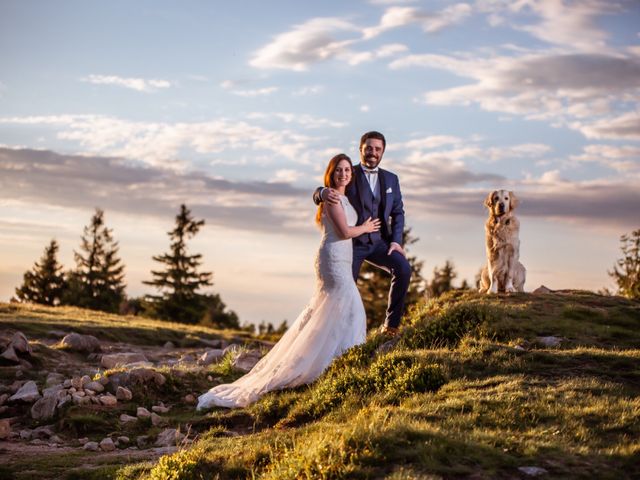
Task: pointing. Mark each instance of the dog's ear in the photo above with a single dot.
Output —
(488, 202)
(513, 202)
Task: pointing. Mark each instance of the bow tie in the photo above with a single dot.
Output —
(375, 170)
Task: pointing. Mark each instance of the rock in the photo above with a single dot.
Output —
(62, 401)
(387, 346)
(549, 341)
(213, 343)
(142, 441)
(85, 379)
(76, 382)
(542, 290)
(532, 471)
(108, 400)
(124, 394)
(94, 357)
(95, 400)
(123, 439)
(169, 437)
(17, 385)
(27, 393)
(145, 376)
(156, 419)
(37, 441)
(54, 379)
(169, 345)
(91, 393)
(20, 343)
(5, 428)
(67, 383)
(54, 391)
(210, 356)
(124, 418)
(107, 445)
(80, 343)
(81, 393)
(44, 432)
(56, 439)
(233, 348)
(119, 359)
(91, 446)
(3, 398)
(95, 386)
(26, 434)
(189, 398)
(160, 409)
(45, 408)
(83, 440)
(187, 358)
(80, 400)
(9, 355)
(142, 412)
(247, 360)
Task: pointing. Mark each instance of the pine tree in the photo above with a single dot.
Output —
(45, 282)
(442, 280)
(626, 271)
(179, 281)
(374, 284)
(98, 280)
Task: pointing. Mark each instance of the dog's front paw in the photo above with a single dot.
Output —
(510, 289)
(493, 289)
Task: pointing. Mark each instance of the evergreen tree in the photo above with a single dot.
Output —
(442, 280)
(179, 281)
(374, 284)
(45, 282)
(626, 271)
(216, 313)
(98, 280)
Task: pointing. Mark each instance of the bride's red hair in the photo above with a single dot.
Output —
(329, 181)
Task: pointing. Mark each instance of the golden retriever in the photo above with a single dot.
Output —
(503, 272)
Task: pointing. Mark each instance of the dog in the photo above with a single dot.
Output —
(503, 272)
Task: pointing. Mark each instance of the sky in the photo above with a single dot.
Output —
(235, 108)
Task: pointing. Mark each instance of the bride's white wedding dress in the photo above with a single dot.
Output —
(333, 322)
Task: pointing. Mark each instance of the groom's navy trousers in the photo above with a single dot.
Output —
(396, 265)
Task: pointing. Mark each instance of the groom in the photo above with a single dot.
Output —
(375, 193)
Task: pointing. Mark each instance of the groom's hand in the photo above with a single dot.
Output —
(396, 247)
(330, 196)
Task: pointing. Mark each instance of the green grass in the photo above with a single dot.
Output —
(467, 392)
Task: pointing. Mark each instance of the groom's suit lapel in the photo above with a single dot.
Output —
(383, 190)
(362, 187)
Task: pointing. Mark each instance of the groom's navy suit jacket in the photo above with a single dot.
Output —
(391, 207)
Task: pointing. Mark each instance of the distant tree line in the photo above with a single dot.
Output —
(97, 281)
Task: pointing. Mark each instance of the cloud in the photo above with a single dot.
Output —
(303, 119)
(138, 84)
(356, 58)
(590, 93)
(84, 182)
(624, 159)
(259, 92)
(160, 144)
(308, 90)
(395, 17)
(313, 41)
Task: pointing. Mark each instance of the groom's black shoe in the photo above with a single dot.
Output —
(390, 331)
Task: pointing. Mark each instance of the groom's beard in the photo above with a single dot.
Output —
(371, 161)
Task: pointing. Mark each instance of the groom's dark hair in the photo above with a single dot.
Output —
(376, 135)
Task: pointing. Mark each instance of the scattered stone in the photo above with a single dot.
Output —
(169, 345)
(387, 346)
(107, 445)
(5, 428)
(54, 391)
(156, 419)
(187, 358)
(92, 446)
(81, 393)
(44, 432)
(27, 393)
(142, 441)
(37, 441)
(56, 439)
(209, 378)
(233, 348)
(94, 357)
(80, 343)
(78, 400)
(45, 408)
(124, 394)
(26, 434)
(190, 398)
(104, 380)
(542, 290)
(76, 382)
(54, 379)
(549, 341)
(124, 418)
(160, 409)
(95, 400)
(83, 440)
(85, 379)
(3, 398)
(142, 412)
(146, 375)
(67, 383)
(532, 471)
(91, 393)
(20, 343)
(123, 439)
(10, 355)
(95, 386)
(210, 356)
(108, 400)
(119, 359)
(169, 437)
(247, 360)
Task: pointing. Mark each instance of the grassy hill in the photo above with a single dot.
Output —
(472, 389)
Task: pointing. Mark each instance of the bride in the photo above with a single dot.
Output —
(334, 320)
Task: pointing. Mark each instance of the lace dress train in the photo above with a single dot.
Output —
(333, 322)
